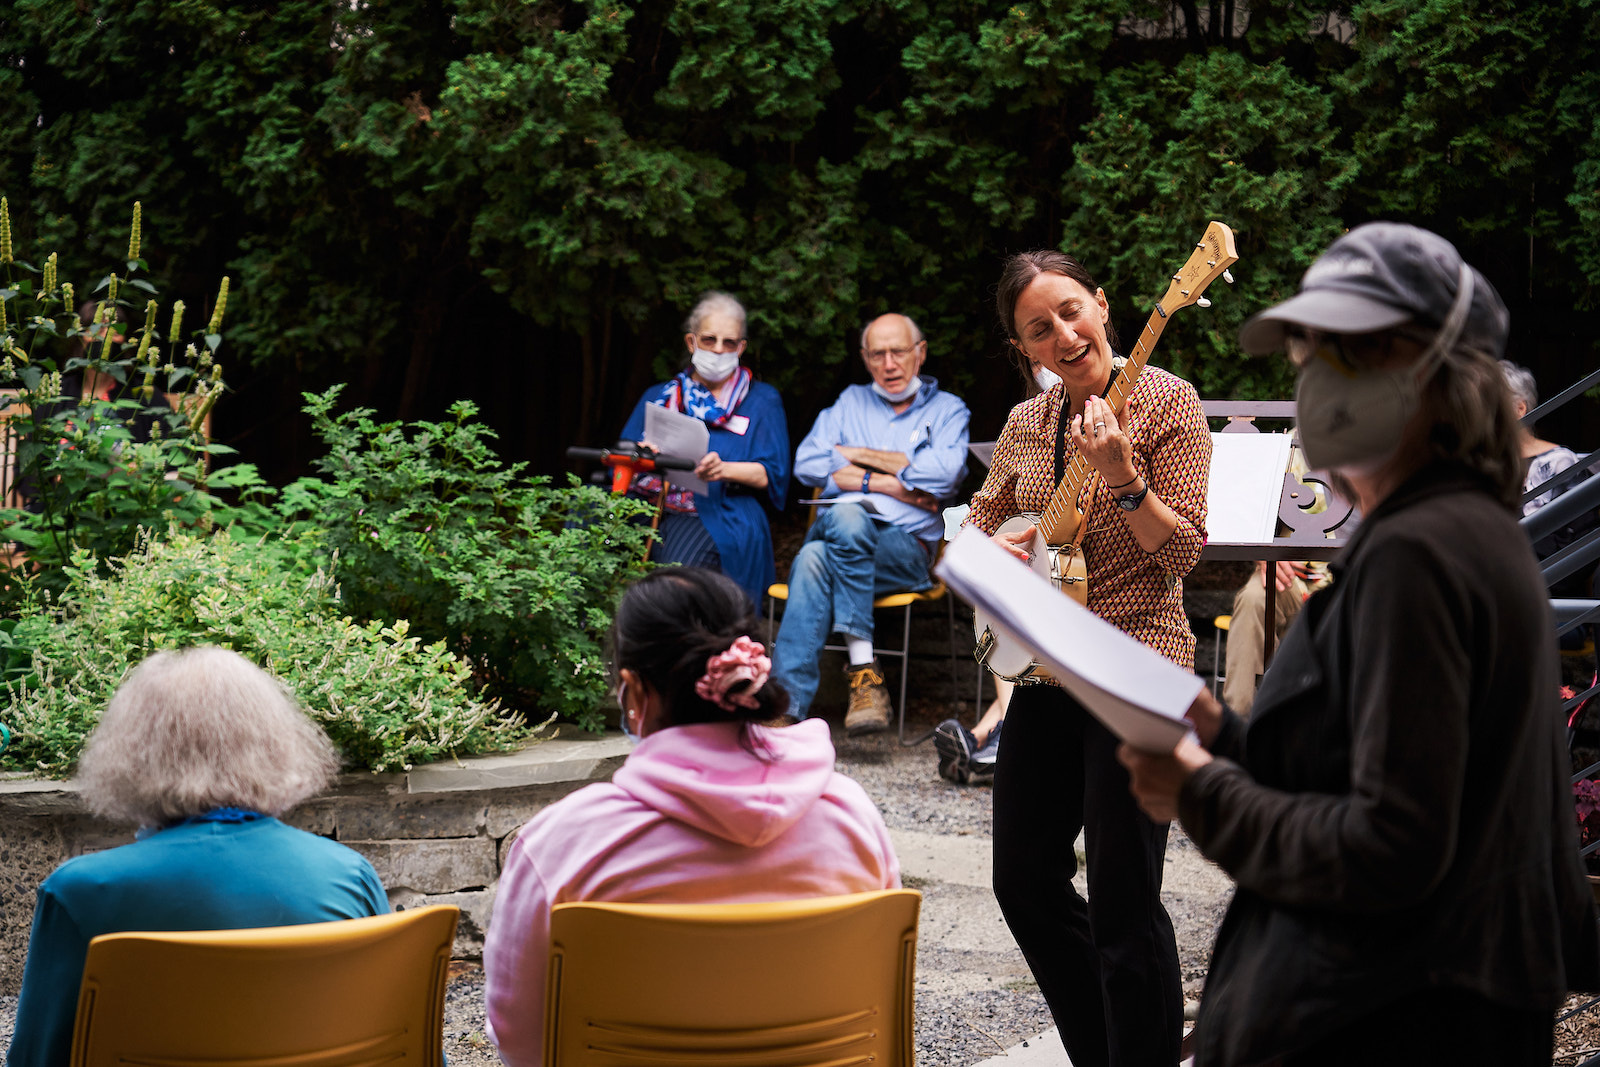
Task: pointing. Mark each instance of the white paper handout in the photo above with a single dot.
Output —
(1246, 484)
(1139, 694)
(864, 499)
(676, 434)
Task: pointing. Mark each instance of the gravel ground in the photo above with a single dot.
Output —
(975, 996)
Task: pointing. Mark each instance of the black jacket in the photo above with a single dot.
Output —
(1397, 814)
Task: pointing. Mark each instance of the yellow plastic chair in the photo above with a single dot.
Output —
(825, 980)
(337, 994)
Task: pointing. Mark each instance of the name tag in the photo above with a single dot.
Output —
(737, 424)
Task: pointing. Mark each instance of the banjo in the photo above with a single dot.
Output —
(1056, 551)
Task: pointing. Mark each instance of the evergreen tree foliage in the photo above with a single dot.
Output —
(518, 201)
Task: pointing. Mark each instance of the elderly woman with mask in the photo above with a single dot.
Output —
(726, 527)
(202, 750)
(1396, 812)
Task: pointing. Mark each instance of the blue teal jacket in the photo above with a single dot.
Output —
(193, 876)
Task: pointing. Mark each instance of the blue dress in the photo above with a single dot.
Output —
(732, 514)
(193, 876)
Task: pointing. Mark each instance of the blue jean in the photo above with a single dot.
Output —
(848, 559)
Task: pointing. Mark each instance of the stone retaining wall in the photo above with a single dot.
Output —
(436, 834)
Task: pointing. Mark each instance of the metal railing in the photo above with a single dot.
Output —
(1578, 495)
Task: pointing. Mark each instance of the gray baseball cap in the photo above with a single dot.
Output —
(1378, 276)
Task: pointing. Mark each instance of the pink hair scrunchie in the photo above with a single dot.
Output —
(745, 661)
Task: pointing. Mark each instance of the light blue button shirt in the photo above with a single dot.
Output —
(932, 432)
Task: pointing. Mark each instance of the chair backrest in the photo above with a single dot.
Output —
(813, 981)
(340, 994)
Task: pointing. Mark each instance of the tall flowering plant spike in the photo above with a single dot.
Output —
(111, 290)
(133, 235)
(177, 321)
(149, 326)
(49, 283)
(69, 298)
(222, 306)
(110, 317)
(147, 388)
(5, 231)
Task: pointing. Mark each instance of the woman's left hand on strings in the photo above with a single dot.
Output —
(1156, 781)
(1099, 438)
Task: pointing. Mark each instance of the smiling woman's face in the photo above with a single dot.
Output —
(1062, 326)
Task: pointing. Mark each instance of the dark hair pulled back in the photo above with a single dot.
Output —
(674, 619)
(1019, 272)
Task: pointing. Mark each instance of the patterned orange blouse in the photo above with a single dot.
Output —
(1139, 592)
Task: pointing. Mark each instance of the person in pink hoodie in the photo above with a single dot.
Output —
(712, 806)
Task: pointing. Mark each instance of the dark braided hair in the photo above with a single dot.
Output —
(674, 619)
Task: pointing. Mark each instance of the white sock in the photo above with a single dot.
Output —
(860, 651)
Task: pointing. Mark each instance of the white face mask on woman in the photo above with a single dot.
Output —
(1352, 418)
(714, 367)
(1046, 378)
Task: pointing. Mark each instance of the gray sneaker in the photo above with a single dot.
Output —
(955, 745)
(981, 769)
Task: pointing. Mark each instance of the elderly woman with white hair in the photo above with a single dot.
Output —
(724, 528)
(203, 751)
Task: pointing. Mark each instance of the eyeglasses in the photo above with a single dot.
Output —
(899, 355)
(1352, 351)
(712, 343)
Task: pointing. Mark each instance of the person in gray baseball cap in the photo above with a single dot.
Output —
(1395, 813)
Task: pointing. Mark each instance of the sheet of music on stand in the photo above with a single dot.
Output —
(1139, 694)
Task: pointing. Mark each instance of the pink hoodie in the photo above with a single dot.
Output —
(692, 816)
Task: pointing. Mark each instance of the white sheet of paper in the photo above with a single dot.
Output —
(1139, 694)
(864, 499)
(953, 518)
(676, 434)
(1246, 484)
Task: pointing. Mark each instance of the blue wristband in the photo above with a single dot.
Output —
(866, 481)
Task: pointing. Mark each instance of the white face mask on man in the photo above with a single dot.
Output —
(905, 394)
(1352, 418)
(714, 367)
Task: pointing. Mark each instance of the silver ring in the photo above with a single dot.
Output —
(1098, 427)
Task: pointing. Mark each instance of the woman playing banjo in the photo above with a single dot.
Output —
(1057, 772)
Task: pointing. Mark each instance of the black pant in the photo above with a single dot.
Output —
(1108, 967)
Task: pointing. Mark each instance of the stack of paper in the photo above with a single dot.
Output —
(1139, 694)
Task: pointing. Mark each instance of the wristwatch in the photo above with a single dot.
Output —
(1132, 501)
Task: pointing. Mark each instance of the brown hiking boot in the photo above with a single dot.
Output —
(869, 701)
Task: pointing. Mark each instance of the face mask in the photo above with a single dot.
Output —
(1352, 419)
(714, 367)
(895, 398)
(1046, 378)
(627, 729)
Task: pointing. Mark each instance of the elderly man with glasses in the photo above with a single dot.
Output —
(885, 456)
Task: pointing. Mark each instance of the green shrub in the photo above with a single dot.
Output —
(520, 577)
(385, 698)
